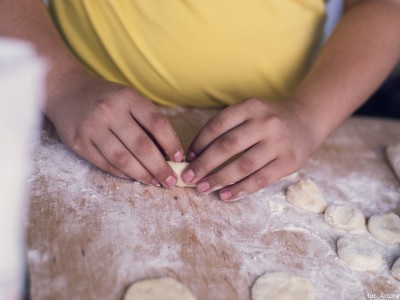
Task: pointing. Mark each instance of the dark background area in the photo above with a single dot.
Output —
(385, 102)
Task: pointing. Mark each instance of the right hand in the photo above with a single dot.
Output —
(114, 128)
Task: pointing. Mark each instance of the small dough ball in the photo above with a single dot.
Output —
(396, 269)
(178, 168)
(282, 286)
(344, 217)
(305, 194)
(385, 228)
(359, 252)
(393, 156)
(166, 288)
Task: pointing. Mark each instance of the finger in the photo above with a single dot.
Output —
(231, 143)
(118, 155)
(92, 154)
(246, 164)
(146, 152)
(159, 127)
(258, 180)
(220, 124)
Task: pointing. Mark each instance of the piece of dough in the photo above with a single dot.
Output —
(359, 252)
(305, 194)
(396, 269)
(344, 217)
(282, 286)
(178, 168)
(393, 156)
(166, 288)
(385, 228)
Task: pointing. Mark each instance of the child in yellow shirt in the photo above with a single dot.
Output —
(253, 57)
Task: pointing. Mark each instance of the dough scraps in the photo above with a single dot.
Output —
(385, 228)
(359, 252)
(165, 288)
(305, 194)
(282, 286)
(344, 217)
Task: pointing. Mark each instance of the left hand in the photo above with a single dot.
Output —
(265, 141)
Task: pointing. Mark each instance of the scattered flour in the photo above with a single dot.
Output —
(119, 232)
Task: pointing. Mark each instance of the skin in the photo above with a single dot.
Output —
(121, 132)
(111, 126)
(270, 140)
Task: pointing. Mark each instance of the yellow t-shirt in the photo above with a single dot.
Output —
(196, 53)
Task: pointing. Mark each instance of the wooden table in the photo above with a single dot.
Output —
(90, 235)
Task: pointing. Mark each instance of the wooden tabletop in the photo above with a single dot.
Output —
(90, 235)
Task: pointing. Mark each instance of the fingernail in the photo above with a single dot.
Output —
(203, 186)
(191, 156)
(170, 181)
(155, 182)
(225, 195)
(178, 156)
(188, 176)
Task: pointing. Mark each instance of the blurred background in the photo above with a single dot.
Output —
(386, 100)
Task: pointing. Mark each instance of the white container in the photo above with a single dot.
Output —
(22, 77)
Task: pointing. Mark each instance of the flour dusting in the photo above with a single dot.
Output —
(95, 234)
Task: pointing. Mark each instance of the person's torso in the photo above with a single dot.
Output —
(195, 52)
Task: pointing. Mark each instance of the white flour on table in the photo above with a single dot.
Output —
(212, 247)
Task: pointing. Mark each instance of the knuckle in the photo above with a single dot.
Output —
(158, 121)
(119, 158)
(261, 180)
(228, 143)
(86, 125)
(102, 109)
(142, 144)
(83, 130)
(246, 165)
(292, 157)
(215, 125)
(124, 92)
(255, 103)
(273, 120)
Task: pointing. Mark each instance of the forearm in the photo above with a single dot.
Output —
(357, 58)
(29, 20)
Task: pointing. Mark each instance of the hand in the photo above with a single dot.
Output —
(115, 128)
(264, 141)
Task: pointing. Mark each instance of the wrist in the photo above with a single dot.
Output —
(310, 118)
(60, 83)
